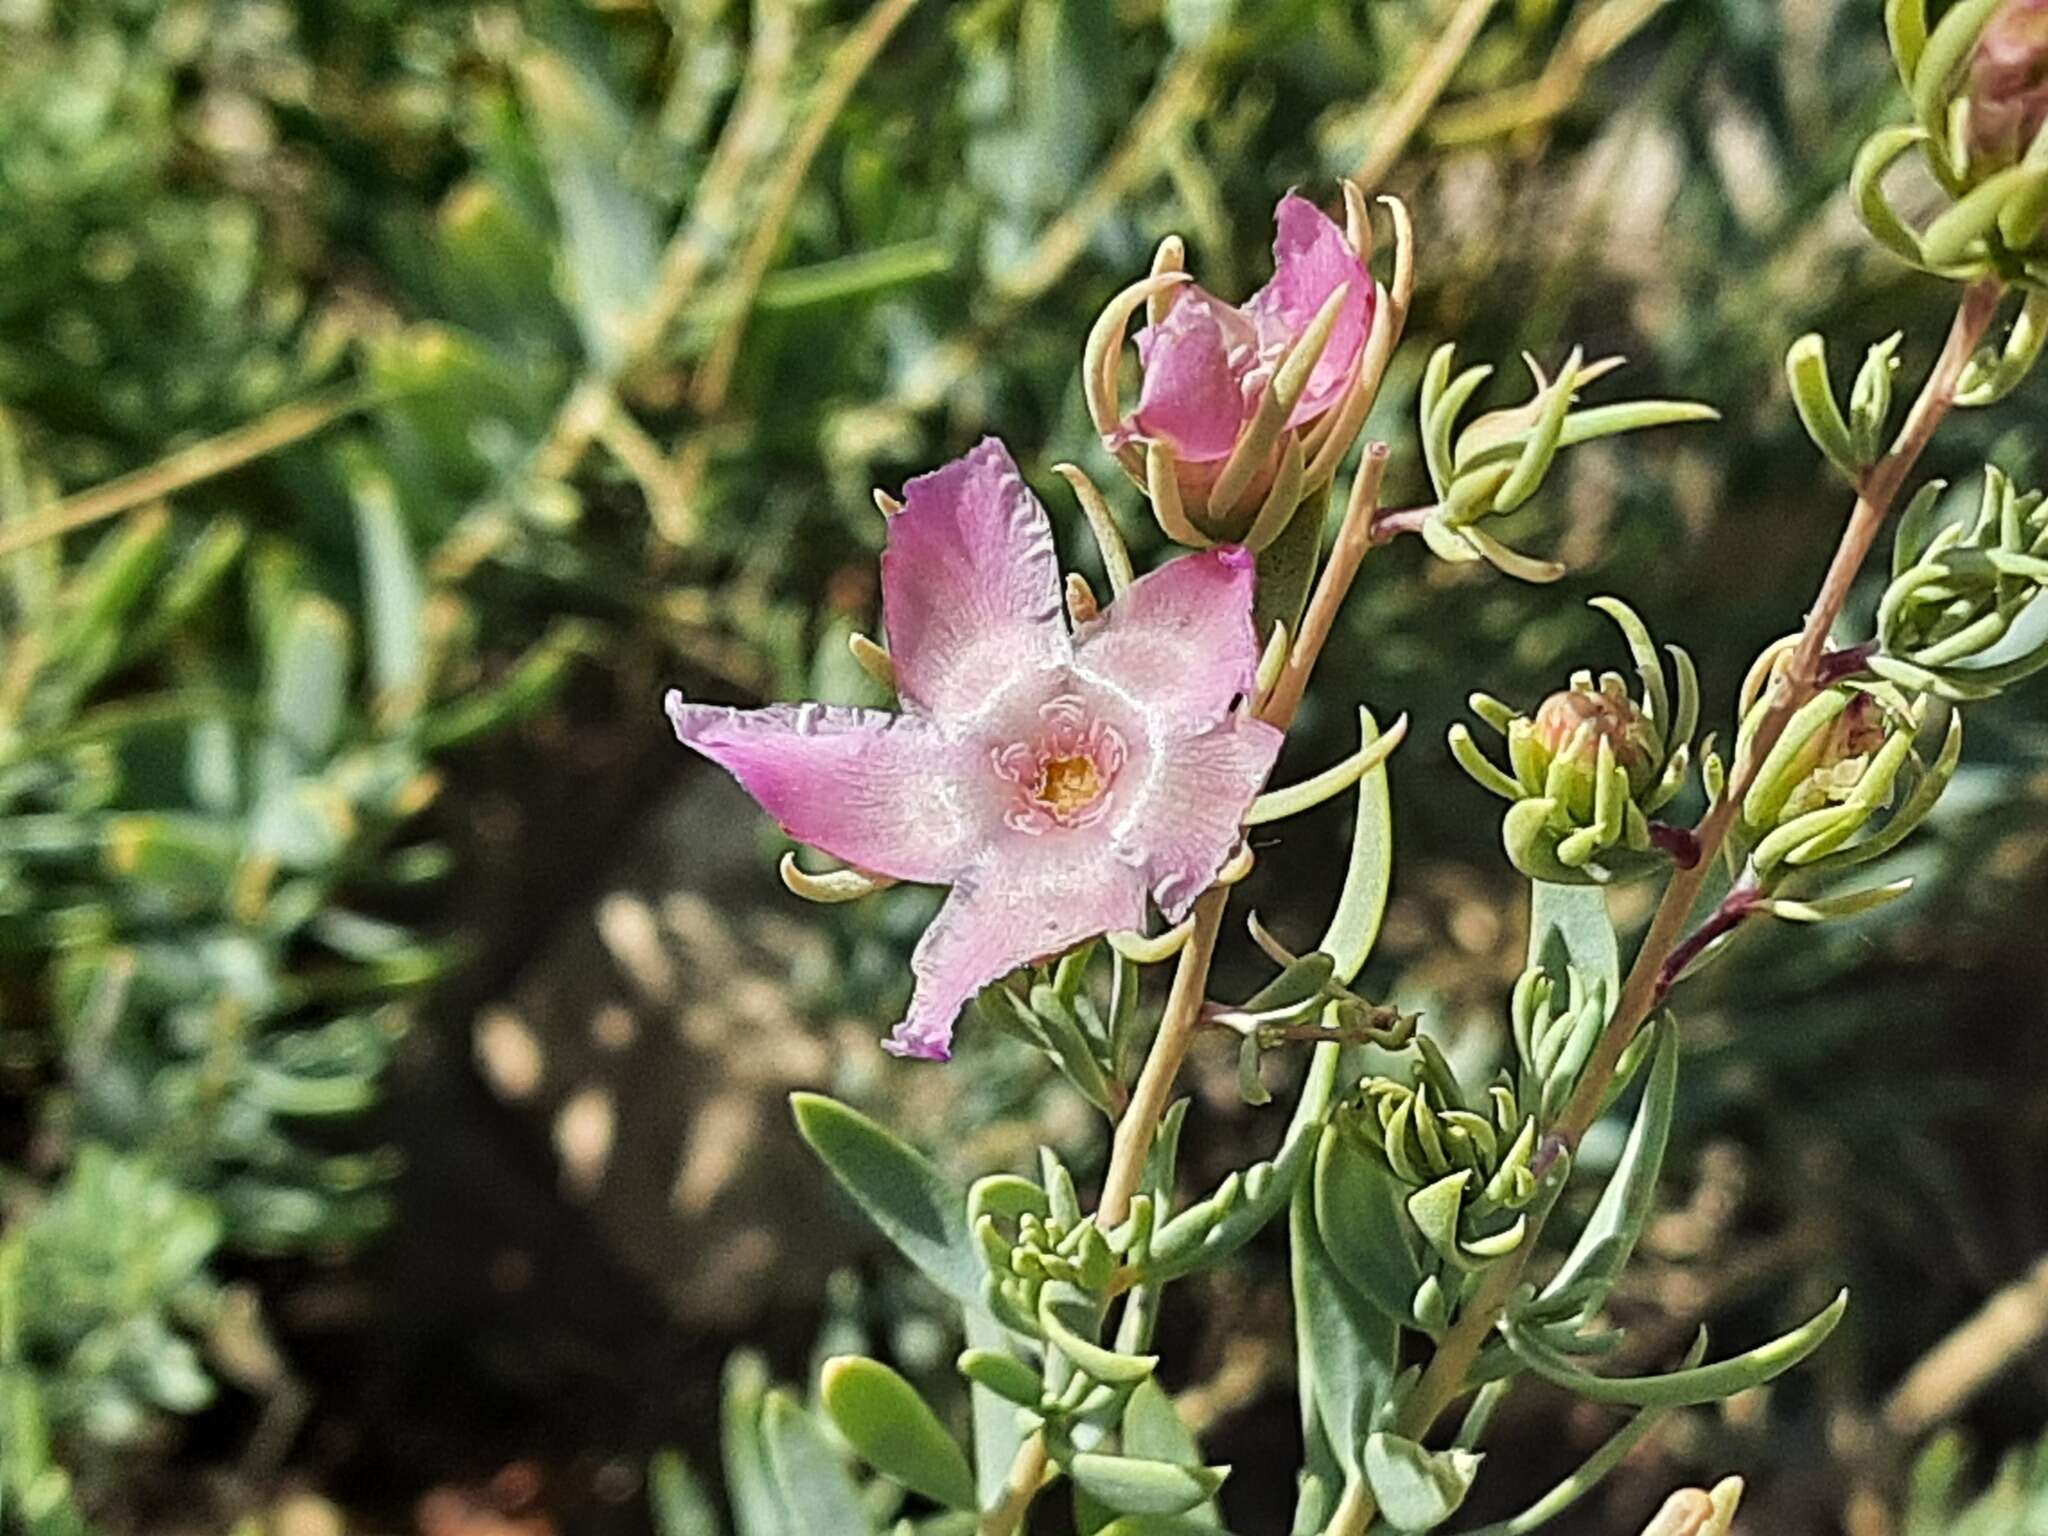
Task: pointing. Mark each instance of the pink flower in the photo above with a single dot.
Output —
(2009, 82)
(1206, 364)
(1054, 780)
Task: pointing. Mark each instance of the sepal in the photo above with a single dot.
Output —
(1497, 462)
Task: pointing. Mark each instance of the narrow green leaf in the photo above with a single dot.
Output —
(815, 1487)
(676, 1501)
(188, 585)
(1287, 569)
(898, 1189)
(1358, 1213)
(1631, 416)
(394, 595)
(1866, 190)
(1686, 1387)
(1132, 1486)
(610, 248)
(890, 1426)
(1355, 926)
(1003, 1374)
(1061, 1332)
(1813, 396)
(1905, 26)
(1347, 1351)
(1612, 1452)
(750, 1485)
(996, 1432)
(1603, 1248)
(1569, 927)
(1917, 527)
(307, 692)
(110, 582)
(1153, 1431)
(532, 680)
(1942, 57)
(1541, 445)
(1267, 1185)
(1435, 1209)
(1821, 909)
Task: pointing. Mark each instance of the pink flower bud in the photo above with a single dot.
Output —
(2009, 83)
(1575, 720)
(1207, 364)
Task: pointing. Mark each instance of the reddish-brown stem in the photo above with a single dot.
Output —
(1354, 538)
(1445, 1377)
(1800, 680)
(1737, 906)
(1389, 526)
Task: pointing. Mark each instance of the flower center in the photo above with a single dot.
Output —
(1068, 785)
(1064, 770)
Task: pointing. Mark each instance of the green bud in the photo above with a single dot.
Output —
(1844, 783)
(1950, 623)
(1498, 461)
(1590, 768)
(1833, 761)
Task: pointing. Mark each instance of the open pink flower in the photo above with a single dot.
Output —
(1207, 363)
(1054, 780)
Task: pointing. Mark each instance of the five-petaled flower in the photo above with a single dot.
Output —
(1207, 363)
(1053, 779)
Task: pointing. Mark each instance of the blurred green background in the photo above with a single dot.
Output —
(394, 1026)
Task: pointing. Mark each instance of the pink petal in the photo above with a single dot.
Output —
(1195, 361)
(1311, 258)
(1180, 641)
(1032, 898)
(890, 794)
(970, 584)
(1185, 829)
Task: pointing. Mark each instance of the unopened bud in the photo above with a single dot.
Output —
(1831, 765)
(2009, 83)
(1574, 721)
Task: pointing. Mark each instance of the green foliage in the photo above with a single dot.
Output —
(2014, 1504)
(104, 1287)
(528, 236)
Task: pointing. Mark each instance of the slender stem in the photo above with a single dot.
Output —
(1354, 1512)
(1155, 1083)
(1444, 1378)
(1421, 93)
(1182, 94)
(713, 382)
(187, 467)
(1183, 1016)
(1594, 33)
(1354, 538)
(750, 132)
(849, 62)
(1735, 909)
(1027, 1474)
(1800, 681)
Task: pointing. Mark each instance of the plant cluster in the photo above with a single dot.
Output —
(1059, 759)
